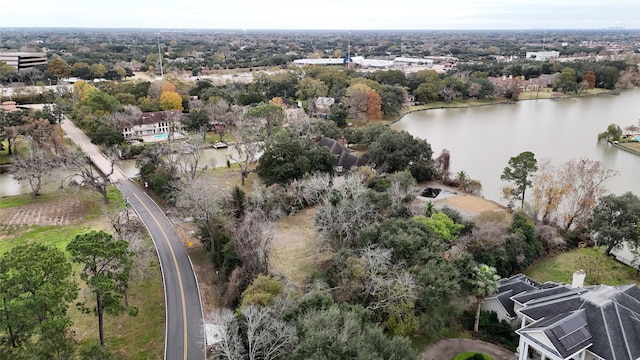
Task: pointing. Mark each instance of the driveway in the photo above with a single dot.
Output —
(448, 348)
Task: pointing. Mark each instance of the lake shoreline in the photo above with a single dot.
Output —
(466, 105)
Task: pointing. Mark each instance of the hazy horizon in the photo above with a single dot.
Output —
(611, 28)
(345, 15)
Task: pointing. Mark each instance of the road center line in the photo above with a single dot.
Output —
(175, 261)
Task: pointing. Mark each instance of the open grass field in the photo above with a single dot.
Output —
(294, 253)
(600, 269)
(55, 219)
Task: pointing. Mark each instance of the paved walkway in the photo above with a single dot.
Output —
(448, 348)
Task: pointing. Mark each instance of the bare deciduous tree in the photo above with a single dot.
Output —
(128, 227)
(443, 162)
(567, 195)
(201, 201)
(344, 213)
(223, 115)
(387, 285)
(189, 156)
(488, 235)
(35, 165)
(121, 119)
(267, 336)
(588, 179)
(548, 191)
(249, 134)
(230, 346)
(252, 236)
(316, 188)
(299, 123)
(90, 177)
(549, 237)
(402, 191)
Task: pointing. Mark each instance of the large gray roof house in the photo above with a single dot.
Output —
(561, 322)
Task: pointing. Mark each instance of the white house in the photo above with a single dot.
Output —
(562, 322)
(154, 126)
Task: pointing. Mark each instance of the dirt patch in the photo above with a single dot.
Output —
(294, 254)
(58, 212)
(470, 205)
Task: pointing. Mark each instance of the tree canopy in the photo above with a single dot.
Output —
(287, 158)
(35, 289)
(519, 171)
(616, 220)
(394, 151)
(106, 270)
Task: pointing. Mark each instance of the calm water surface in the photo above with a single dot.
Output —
(482, 139)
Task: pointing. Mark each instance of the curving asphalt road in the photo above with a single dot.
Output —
(184, 333)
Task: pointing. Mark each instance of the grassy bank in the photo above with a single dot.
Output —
(600, 269)
(635, 146)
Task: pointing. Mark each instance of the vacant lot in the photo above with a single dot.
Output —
(295, 254)
(55, 219)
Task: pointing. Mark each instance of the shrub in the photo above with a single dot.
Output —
(472, 356)
(492, 329)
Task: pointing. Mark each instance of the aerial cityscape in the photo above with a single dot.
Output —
(324, 180)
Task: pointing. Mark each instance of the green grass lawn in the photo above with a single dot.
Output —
(631, 145)
(129, 337)
(600, 269)
(25, 199)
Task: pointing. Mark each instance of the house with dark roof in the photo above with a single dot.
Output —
(596, 323)
(502, 304)
(570, 322)
(345, 157)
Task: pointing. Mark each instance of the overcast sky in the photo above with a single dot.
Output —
(325, 14)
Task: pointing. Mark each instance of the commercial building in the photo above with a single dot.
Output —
(542, 55)
(22, 60)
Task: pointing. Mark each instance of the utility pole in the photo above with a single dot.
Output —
(349, 51)
(160, 57)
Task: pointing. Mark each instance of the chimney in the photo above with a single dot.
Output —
(578, 279)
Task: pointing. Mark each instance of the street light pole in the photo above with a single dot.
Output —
(160, 57)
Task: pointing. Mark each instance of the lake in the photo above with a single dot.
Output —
(482, 139)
